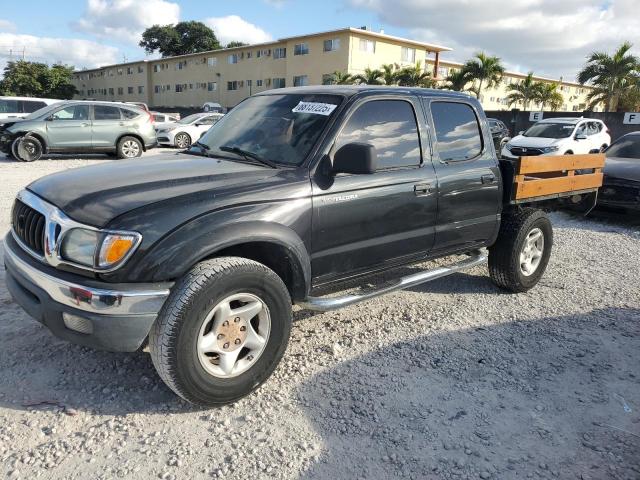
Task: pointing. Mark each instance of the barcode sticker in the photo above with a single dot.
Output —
(314, 107)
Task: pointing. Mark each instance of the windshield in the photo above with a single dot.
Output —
(626, 147)
(550, 130)
(190, 119)
(279, 128)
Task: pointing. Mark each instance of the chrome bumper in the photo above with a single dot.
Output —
(135, 299)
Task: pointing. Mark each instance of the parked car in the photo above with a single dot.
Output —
(184, 132)
(82, 126)
(18, 107)
(560, 136)
(162, 120)
(621, 184)
(500, 134)
(213, 107)
(303, 188)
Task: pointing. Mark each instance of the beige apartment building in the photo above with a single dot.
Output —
(227, 76)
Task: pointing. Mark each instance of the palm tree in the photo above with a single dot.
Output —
(414, 77)
(456, 80)
(342, 78)
(548, 94)
(612, 76)
(524, 92)
(369, 77)
(389, 74)
(485, 69)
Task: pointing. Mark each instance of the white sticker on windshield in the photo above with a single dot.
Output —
(314, 107)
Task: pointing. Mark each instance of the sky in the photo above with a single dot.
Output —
(549, 37)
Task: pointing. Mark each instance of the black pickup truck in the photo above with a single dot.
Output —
(203, 252)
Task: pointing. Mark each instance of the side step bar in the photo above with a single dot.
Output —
(325, 304)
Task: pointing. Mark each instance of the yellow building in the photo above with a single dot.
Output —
(227, 76)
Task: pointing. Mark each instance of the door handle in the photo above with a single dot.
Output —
(489, 178)
(422, 189)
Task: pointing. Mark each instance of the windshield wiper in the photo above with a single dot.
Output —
(203, 146)
(248, 155)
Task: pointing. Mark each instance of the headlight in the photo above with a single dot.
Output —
(549, 149)
(100, 250)
(79, 246)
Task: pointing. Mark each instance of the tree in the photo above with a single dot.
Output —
(484, 69)
(32, 79)
(414, 77)
(236, 44)
(389, 74)
(342, 78)
(369, 77)
(524, 92)
(548, 94)
(179, 39)
(457, 80)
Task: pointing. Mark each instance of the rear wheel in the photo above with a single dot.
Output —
(222, 332)
(129, 147)
(521, 253)
(182, 140)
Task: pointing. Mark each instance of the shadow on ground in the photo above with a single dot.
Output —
(542, 398)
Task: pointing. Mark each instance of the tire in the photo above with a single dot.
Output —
(190, 315)
(129, 147)
(505, 256)
(568, 152)
(27, 149)
(182, 140)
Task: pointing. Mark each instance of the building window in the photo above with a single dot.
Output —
(279, 82)
(249, 83)
(130, 90)
(129, 70)
(140, 89)
(168, 88)
(119, 71)
(301, 49)
(181, 65)
(249, 54)
(120, 90)
(111, 91)
(300, 81)
(156, 68)
(212, 61)
(156, 89)
(212, 86)
(408, 54)
(233, 58)
(331, 45)
(232, 85)
(368, 46)
(140, 69)
(279, 53)
(180, 87)
(259, 83)
(327, 79)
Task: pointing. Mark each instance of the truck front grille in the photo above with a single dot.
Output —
(28, 225)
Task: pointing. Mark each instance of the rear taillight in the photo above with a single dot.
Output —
(150, 117)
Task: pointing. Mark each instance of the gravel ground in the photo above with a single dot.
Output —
(453, 379)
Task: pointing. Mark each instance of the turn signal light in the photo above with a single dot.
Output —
(115, 248)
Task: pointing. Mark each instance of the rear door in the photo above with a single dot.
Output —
(107, 126)
(469, 191)
(69, 127)
(369, 222)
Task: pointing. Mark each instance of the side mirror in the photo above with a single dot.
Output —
(355, 158)
(49, 118)
(581, 136)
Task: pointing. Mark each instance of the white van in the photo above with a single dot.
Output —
(18, 107)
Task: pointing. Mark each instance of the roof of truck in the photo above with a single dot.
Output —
(350, 90)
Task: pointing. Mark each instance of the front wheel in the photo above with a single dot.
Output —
(521, 253)
(222, 331)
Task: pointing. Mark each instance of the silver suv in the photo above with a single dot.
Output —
(80, 126)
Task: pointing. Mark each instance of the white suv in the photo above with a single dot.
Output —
(559, 136)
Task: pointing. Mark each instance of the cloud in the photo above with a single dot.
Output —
(125, 20)
(551, 38)
(7, 26)
(235, 28)
(76, 52)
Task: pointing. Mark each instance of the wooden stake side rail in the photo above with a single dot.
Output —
(556, 175)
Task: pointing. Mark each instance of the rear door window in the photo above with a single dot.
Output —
(388, 125)
(458, 133)
(106, 112)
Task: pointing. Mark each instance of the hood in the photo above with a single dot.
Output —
(97, 194)
(622, 168)
(522, 141)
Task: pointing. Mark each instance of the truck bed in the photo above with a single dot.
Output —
(532, 179)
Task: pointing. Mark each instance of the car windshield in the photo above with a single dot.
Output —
(550, 130)
(626, 147)
(190, 119)
(279, 128)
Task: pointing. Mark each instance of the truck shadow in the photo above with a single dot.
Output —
(491, 402)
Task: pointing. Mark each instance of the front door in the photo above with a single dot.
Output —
(69, 128)
(369, 222)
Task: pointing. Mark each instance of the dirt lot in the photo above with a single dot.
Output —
(453, 379)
